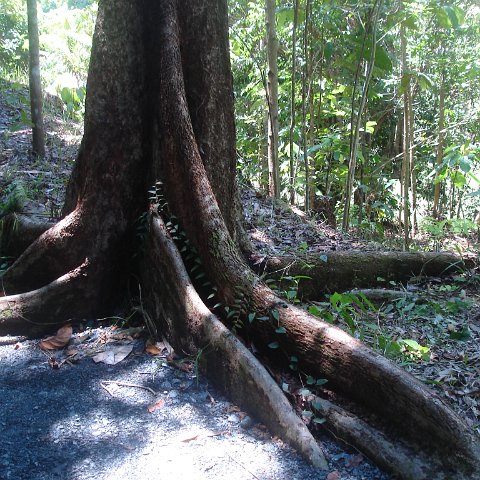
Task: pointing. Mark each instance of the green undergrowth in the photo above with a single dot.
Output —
(407, 328)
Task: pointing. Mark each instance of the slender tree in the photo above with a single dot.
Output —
(406, 138)
(272, 99)
(36, 99)
(292, 104)
(440, 145)
(355, 129)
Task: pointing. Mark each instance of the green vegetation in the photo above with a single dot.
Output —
(441, 59)
(66, 29)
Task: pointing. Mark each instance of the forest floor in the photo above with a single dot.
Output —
(432, 329)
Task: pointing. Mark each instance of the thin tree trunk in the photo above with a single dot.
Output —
(292, 104)
(356, 130)
(441, 138)
(272, 99)
(406, 141)
(413, 167)
(305, 98)
(36, 100)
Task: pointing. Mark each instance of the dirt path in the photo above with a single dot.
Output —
(70, 424)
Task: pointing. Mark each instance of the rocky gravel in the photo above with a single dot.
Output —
(140, 418)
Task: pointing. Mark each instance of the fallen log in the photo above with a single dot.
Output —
(344, 270)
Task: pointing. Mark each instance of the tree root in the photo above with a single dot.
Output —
(231, 366)
(409, 410)
(68, 298)
(376, 445)
(18, 232)
(340, 271)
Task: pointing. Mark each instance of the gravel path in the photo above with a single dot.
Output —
(66, 424)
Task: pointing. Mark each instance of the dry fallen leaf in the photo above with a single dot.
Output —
(59, 340)
(354, 461)
(335, 475)
(113, 355)
(160, 403)
(71, 351)
(152, 348)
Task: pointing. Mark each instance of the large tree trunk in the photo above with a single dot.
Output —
(160, 108)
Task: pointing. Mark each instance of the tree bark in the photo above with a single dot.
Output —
(341, 271)
(291, 180)
(148, 99)
(272, 99)
(436, 210)
(406, 140)
(36, 100)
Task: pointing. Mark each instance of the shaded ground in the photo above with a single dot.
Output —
(69, 423)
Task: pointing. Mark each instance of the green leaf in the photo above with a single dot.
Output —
(275, 314)
(285, 16)
(328, 50)
(304, 392)
(319, 420)
(314, 310)
(280, 330)
(382, 59)
(463, 335)
(307, 414)
(411, 22)
(251, 317)
(273, 345)
(324, 258)
(424, 81)
(412, 344)
(459, 179)
(310, 380)
(285, 387)
(321, 381)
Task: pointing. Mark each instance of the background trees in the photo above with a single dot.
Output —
(337, 46)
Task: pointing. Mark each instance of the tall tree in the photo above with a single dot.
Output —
(292, 169)
(440, 147)
(36, 99)
(272, 99)
(406, 138)
(355, 128)
(159, 111)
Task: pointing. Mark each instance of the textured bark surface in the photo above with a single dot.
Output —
(157, 111)
(35, 84)
(340, 271)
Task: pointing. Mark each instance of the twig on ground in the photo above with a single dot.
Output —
(244, 467)
(123, 384)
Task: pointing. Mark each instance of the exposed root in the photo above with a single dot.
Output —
(408, 409)
(70, 297)
(18, 232)
(231, 366)
(340, 271)
(58, 250)
(378, 446)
